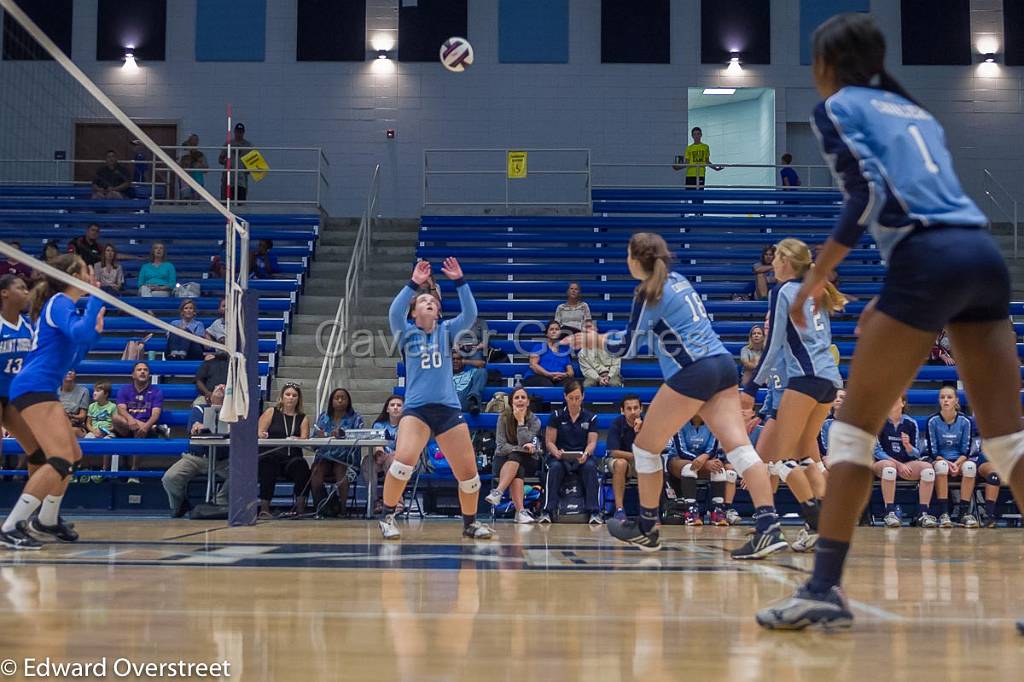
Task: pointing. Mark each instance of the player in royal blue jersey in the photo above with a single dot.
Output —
(432, 408)
(669, 318)
(811, 379)
(63, 336)
(890, 157)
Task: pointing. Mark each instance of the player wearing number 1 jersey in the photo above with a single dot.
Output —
(432, 407)
(700, 378)
(890, 157)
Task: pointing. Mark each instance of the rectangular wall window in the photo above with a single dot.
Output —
(635, 32)
(1013, 32)
(813, 13)
(533, 31)
(52, 16)
(331, 31)
(728, 26)
(141, 24)
(936, 32)
(231, 30)
(424, 25)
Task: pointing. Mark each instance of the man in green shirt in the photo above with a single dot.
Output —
(696, 159)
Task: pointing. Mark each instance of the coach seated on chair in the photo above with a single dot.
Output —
(619, 457)
(196, 462)
(571, 429)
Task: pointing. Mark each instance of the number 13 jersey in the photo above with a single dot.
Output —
(15, 343)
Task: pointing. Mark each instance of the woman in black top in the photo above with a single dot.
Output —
(284, 420)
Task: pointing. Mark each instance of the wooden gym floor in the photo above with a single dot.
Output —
(327, 600)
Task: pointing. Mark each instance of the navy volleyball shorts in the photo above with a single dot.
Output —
(822, 390)
(944, 274)
(440, 418)
(705, 378)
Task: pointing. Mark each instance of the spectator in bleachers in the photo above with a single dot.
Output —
(516, 453)
(109, 272)
(599, 367)
(826, 426)
(179, 348)
(789, 176)
(75, 400)
(9, 265)
(387, 421)
(239, 148)
(750, 354)
(695, 160)
(112, 181)
(196, 462)
(570, 430)
(764, 273)
(473, 344)
(942, 351)
(51, 251)
(262, 262)
(194, 161)
(99, 420)
(88, 246)
(339, 417)
(949, 447)
(619, 443)
(284, 420)
(550, 362)
(572, 314)
(139, 406)
(898, 455)
(213, 372)
(157, 277)
(216, 331)
(469, 384)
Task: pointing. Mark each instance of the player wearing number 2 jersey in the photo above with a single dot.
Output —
(700, 378)
(431, 405)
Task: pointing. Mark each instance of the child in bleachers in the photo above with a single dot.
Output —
(100, 420)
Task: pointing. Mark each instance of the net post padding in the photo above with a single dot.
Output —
(244, 458)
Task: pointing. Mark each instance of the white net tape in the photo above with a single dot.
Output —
(236, 401)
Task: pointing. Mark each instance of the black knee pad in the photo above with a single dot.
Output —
(61, 466)
(993, 479)
(37, 457)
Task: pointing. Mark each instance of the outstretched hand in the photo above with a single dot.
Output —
(99, 320)
(421, 273)
(451, 268)
(587, 339)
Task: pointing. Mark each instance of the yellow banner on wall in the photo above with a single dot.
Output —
(516, 165)
(256, 165)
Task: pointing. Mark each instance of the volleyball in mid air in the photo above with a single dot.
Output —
(456, 54)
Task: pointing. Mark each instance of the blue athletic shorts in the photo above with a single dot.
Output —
(945, 274)
(705, 378)
(440, 418)
(822, 390)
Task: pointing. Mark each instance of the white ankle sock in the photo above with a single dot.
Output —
(49, 511)
(22, 510)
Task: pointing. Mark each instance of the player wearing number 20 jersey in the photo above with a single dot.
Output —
(428, 355)
(15, 343)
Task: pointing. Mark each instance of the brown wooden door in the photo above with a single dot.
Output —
(92, 140)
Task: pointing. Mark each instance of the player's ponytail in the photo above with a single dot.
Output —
(70, 264)
(798, 255)
(854, 47)
(651, 252)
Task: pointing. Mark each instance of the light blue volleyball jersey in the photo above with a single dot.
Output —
(797, 351)
(890, 159)
(949, 441)
(676, 329)
(428, 356)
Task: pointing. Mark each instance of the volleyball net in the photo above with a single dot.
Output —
(56, 125)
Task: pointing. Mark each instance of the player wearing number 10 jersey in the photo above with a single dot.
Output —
(431, 405)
